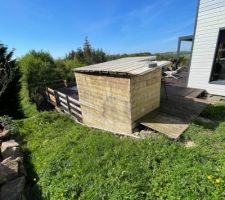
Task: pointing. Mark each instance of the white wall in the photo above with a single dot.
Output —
(211, 17)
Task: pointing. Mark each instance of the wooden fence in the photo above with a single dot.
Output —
(65, 103)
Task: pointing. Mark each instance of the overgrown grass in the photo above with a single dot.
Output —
(28, 108)
(69, 161)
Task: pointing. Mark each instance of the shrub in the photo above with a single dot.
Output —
(65, 68)
(8, 123)
(37, 68)
(7, 68)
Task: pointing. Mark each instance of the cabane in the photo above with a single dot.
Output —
(115, 95)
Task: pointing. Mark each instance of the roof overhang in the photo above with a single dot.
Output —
(187, 38)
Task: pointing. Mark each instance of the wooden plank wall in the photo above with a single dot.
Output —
(105, 102)
(145, 94)
(211, 17)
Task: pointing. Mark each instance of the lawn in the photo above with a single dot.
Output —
(66, 160)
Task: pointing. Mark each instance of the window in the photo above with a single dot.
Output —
(218, 69)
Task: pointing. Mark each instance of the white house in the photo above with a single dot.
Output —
(207, 69)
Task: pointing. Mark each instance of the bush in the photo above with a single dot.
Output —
(37, 68)
(7, 68)
(65, 68)
(8, 123)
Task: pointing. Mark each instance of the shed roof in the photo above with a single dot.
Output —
(125, 66)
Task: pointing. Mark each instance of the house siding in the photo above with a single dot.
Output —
(211, 18)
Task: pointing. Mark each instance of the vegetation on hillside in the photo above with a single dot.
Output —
(66, 160)
(88, 55)
(184, 57)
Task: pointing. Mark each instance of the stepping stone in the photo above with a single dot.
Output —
(11, 149)
(8, 170)
(4, 133)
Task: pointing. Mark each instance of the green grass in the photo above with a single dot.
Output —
(69, 161)
(27, 107)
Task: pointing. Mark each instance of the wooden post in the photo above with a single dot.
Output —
(178, 48)
(56, 98)
(47, 92)
(68, 103)
(65, 83)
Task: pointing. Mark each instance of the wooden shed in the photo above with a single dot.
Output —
(115, 95)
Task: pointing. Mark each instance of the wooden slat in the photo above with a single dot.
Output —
(50, 90)
(183, 91)
(170, 125)
(106, 66)
(123, 66)
(64, 105)
(52, 98)
(75, 107)
(74, 100)
(76, 113)
(126, 67)
(63, 100)
(61, 94)
(146, 69)
(176, 112)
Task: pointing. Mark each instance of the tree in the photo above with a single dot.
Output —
(7, 68)
(98, 55)
(87, 51)
(80, 55)
(71, 55)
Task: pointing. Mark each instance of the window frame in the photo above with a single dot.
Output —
(214, 57)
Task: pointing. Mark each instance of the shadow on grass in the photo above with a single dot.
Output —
(206, 124)
(215, 112)
(210, 119)
(32, 190)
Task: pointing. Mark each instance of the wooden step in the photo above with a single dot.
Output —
(169, 125)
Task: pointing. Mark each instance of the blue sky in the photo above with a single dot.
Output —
(117, 26)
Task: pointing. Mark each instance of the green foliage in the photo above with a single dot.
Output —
(28, 108)
(39, 69)
(71, 161)
(87, 55)
(65, 67)
(8, 123)
(7, 68)
(87, 49)
(184, 56)
(36, 69)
